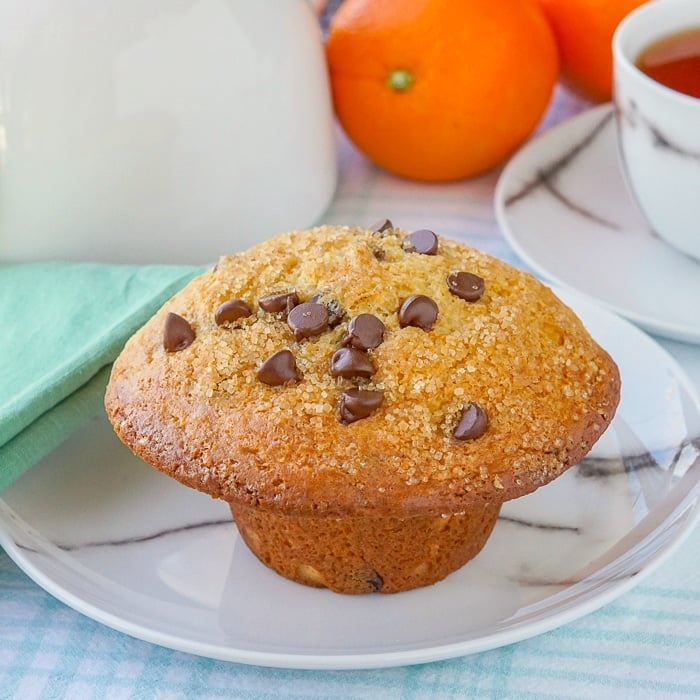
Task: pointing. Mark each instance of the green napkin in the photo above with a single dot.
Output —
(61, 327)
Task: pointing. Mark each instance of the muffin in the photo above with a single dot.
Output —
(364, 399)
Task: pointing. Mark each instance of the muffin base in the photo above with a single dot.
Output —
(365, 554)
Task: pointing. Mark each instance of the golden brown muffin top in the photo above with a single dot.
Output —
(516, 357)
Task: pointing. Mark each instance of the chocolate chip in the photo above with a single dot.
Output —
(336, 313)
(472, 424)
(308, 319)
(358, 403)
(231, 310)
(177, 334)
(275, 303)
(349, 363)
(466, 285)
(422, 241)
(375, 580)
(418, 310)
(280, 368)
(365, 332)
(381, 226)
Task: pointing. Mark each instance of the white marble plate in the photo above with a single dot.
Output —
(137, 551)
(563, 205)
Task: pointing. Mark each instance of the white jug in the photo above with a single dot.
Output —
(159, 130)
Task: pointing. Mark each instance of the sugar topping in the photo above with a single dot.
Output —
(417, 349)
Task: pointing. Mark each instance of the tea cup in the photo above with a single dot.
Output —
(659, 127)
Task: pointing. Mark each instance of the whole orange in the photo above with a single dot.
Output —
(440, 89)
(584, 30)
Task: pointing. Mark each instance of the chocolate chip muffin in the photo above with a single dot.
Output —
(364, 399)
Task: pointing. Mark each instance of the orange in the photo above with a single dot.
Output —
(584, 30)
(440, 89)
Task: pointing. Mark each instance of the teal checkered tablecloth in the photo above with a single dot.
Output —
(645, 644)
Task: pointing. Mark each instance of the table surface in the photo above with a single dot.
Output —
(645, 644)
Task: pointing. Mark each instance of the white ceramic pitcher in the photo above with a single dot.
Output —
(160, 130)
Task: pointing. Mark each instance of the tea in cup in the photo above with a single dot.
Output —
(656, 66)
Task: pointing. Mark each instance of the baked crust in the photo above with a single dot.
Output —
(202, 416)
(365, 554)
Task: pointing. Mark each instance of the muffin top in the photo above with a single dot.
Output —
(362, 371)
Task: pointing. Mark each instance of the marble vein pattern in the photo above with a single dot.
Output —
(633, 118)
(547, 177)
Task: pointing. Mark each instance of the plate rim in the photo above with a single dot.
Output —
(596, 598)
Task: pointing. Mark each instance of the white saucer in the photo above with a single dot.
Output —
(563, 205)
(140, 553)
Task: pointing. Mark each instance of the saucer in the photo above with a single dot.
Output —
(137, 551)
(563, 205)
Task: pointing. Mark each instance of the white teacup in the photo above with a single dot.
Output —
(658, 127)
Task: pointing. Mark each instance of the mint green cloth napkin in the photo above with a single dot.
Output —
(61, 327)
